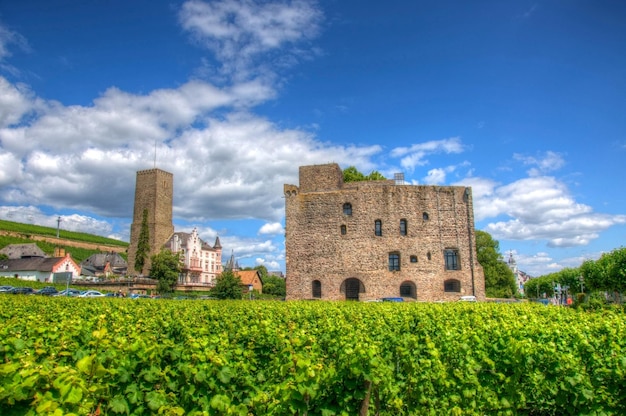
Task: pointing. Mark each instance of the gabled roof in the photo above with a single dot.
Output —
(17, 251)
(247, 276)
(183, 237)
(100, 260)
(39, 264)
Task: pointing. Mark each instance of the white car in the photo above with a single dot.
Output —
(91, 294)
(468, 299)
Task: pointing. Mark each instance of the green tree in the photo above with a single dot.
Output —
(165, 267)
(274, 285)
(499, 279)
(351, 174)
(143, 244)
(227, 286)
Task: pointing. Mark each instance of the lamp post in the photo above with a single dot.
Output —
(250, 287)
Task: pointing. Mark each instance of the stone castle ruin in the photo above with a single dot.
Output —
(375, 239)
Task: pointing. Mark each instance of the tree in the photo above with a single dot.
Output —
(143, 244)
(274, 285)
(227, 286)
(165, 267)
(351, 174)
(499, 279)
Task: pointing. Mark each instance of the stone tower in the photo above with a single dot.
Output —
(154, 190)
(377, 239)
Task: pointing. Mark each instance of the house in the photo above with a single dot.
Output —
(250, 278)
(375, 239)
(104, 264)
(201, 262)
(18, 251)
(40, 269)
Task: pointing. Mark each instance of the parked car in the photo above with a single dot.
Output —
(91, 294)
(392, 299)
(68, 292)
(467, 299)
(47, 291)
(139, 295)
(23, 290)
(6, 289)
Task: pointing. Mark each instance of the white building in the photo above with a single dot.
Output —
(520, 277)
(202, 263)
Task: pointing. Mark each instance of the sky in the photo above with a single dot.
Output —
(524, 101)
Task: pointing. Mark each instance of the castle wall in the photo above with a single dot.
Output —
(154, 190)
(316, 248)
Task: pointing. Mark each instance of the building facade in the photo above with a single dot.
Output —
(202, 263)
(154, 189)
(376, 239)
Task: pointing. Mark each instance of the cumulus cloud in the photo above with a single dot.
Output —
(274, 228)
(551, 161)
(537, 208)
(238, 31)
(416, 155)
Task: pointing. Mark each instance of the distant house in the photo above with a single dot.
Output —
(104, 265)
(250, 278)
(19, 251)
(40, 269)
(201, 262)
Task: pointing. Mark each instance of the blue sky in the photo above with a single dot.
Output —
(522, 100)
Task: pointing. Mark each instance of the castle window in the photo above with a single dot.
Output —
(451, 257)
(428, 256)
(343, 230)
(378, 228)
(394, 261)
(403, 227)
(316, 289)
(452, 285)
(408, 290)
(347, 208)
(413, 259)
(425, 216)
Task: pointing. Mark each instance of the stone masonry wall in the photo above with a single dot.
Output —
(154, 190)
(317, 250)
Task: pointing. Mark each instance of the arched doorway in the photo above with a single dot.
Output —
(408, 290)
(351, 288)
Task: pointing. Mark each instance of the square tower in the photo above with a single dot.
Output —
(154, 190)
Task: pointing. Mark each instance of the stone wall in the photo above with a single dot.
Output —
(154, 190)
(437, 218)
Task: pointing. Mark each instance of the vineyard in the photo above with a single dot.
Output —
(116, 356)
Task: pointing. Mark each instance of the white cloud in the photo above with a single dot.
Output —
(416, 155)
(72, 222)
(537, 208)
(551, 161)
(238, 31)
(274, 228)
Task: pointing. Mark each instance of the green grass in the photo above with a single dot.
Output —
(29, 229)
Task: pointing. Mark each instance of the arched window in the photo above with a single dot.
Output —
(378, 228)
(316, 289)
(344, 230)
(394, 261)
(451, 257)
(452, 285)
(403, 227)
(425, 216)
(408, 290)
(347, 208)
